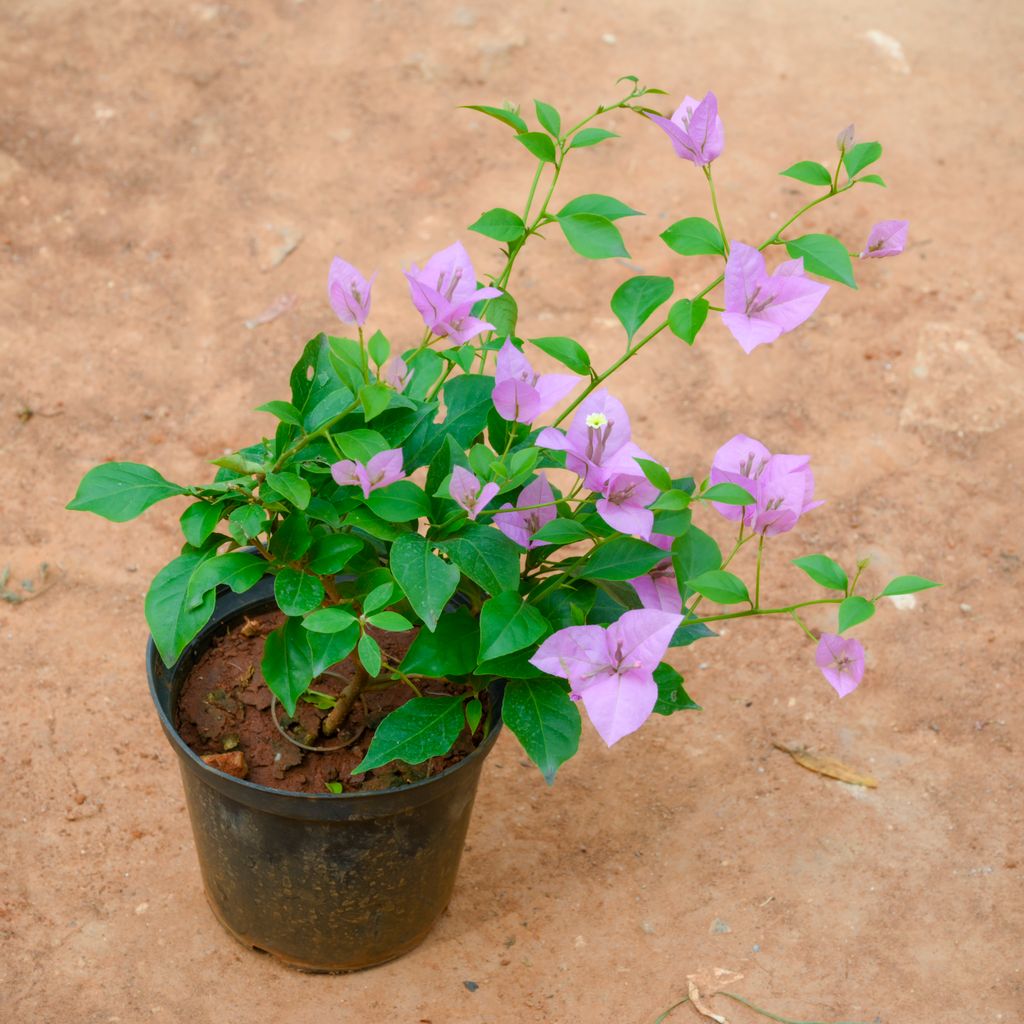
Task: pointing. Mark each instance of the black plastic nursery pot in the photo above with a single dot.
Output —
(324, 882)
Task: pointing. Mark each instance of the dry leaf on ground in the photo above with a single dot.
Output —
(704, 984)
(830, 766)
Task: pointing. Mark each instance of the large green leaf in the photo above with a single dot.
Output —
(853, 611)
(486, 556)
(686, 318)
(291, 487)
(399, 502)
(331, 554)
(292, 539)
(451, 650)
(825, 256)
(503, 114)
(860, 156)
(426, 580)
(907, 585)
(508, 624)
(637, 298)
(810, 172)
(694, 236)
(422, 728)
(239, 570)
(590, 137)
(825, 571)
(287, 663)
(603, 206)
(172, 621)
(199, 520)
(592, 235)
(297, 592)
(622, 558)
(693, 553)
(549, 117)
(539, 144)
(500, 224)
(120, 491)
(567, 351)
(544, 720)
(720, 586)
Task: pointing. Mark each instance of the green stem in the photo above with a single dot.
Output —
(757, 577)
(803, 625)
(533, 189)
(714, 203)
(775, 1016)
(307, 438)
(751, 612)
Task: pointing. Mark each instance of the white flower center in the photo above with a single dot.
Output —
(596, 419)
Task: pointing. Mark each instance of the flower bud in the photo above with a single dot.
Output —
(844, 140)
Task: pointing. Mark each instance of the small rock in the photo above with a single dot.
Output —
(609, 39)
(756, 948)
(471, 986)
(231, 763)
(719, 927)
(965, 608)
(647, 927)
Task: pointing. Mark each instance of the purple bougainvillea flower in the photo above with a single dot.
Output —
(522, 395)
(659, 589)
(759, 307)
(383, 468)
(349, 292)
(624, 503)
(611, 670)
(597, 443)
(695, 129)
(782, 485)
(520, 526)
(469, 493)
(887, 238)
(397, 374)
(841, 661)
(444, 292)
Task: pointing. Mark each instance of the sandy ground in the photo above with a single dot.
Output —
(157, 159)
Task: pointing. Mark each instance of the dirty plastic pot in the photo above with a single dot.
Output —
(323, 882)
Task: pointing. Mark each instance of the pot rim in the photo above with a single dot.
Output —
(155, 663)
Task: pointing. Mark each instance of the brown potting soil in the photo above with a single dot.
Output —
(225, 709)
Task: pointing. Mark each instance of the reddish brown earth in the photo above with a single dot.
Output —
(156, 159)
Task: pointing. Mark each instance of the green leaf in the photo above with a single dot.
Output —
(292, 539)
(329, 649)
(486, 556)
(672, 501)
(379, 348)
(390, 622)
(426, 580)
(592, 236)
(826, 572)
(567, 351)
(287, 663)
(825, 256)
(503, 312)
(238, 570)
(297, 592)
(544, 720)
(329, 620)
(374, 398)
(622, 558)
(637, 298)
(672, 695)
(120, 491)
(172, 620)
(720, 586)
(199, 520)
(860, 156)
(369, 654)
(590, 137)
(246, 522)
(335, 787)
(361, 444)
(874, 179)
(549, 118)
(689, 633)
(420, 729)
(539, 144)
(507, 624)
(379, 597)
(907, 585)
(810, 172)
(503, 114)
(500, 224)
(672, 522)
(399, 502)
(656, 473)
(291, 487)
(284, 411)
(510, 666)
(363, 519)
(474, 712)
(562, 531)
(450, 650)
(694, 553)
(729, 494)
(694, 236)
(686, 318)
(853, 611)
(604, 206)
(331, 554)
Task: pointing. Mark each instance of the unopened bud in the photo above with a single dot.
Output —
(844, 140)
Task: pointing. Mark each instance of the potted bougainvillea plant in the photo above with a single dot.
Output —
(450, 526)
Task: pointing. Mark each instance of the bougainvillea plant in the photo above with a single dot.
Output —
(411, 486)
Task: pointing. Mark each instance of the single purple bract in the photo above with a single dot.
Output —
(382, 469)
(887, 238)
(397, 373)
(349, 292)
(624, 501)
(841, 660)
(519, 393)
(659, 588)
(520, 522)
(695, 129)
(468, 493)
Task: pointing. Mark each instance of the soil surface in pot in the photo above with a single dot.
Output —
(225, 708)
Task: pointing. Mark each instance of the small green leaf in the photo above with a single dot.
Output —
(694, 236)
(729, 494)
(693, 554)
(297, 592)
(426, 580)
(238, 570)
(507, 624)
(656, 473)
(853, 611)
(825, 256)
(422, 728)
(246, 522)
(590, 137)
(331, 554)
(549, 118)
(329, 620)
(120, 491)
(860, 156)
(686, 318)
(374, 398)
(369, 654)
(390, 622)
(500, 224)
(291, 487)
(474, 712)
(720, 586)
(399, 502)
(671, 501)
(810, 172)
(621, 558)
(284, 411)
(592, 236)
(637, 298)
(539, 144)
(604, 206)
(567, 351)
(825, 571)
(379, 597)
(363, 519)
(199, 520)
(361, 444)
(503, 313)
(291, 540)
(379, 348)
(544, 720)
(672, 695)
(562, 531)
(873, 179)
(907, 585)
(503, 114)
(335, 787)
(451, 650)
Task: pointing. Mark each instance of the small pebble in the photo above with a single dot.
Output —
(609, 38)
(756, 948)
(719, 927)
(472, 986)
(965, 608)
(648, 928)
